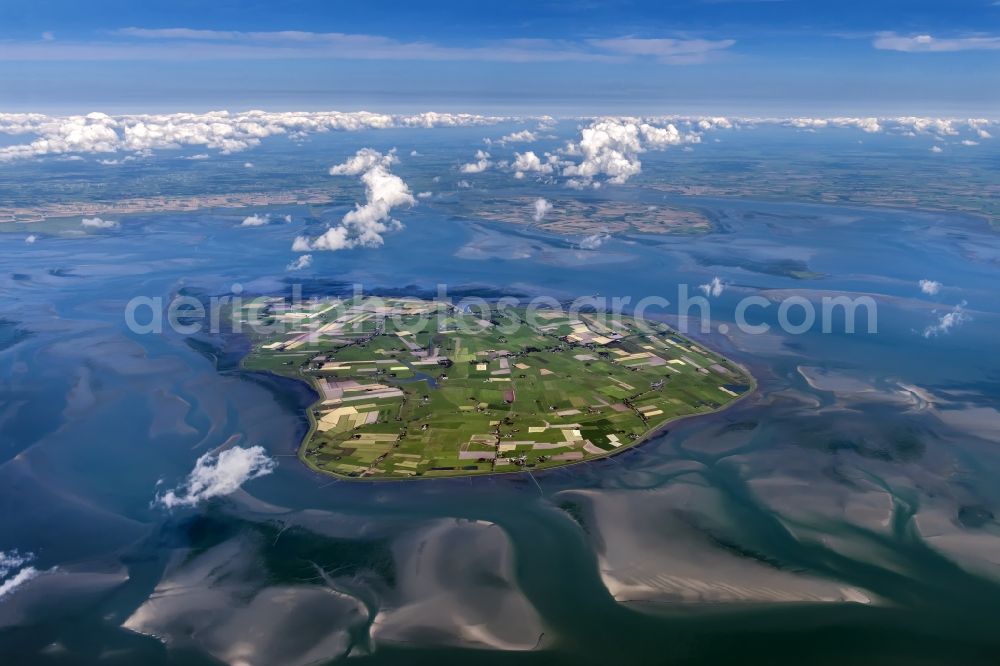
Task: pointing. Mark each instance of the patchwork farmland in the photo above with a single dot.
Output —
(415, 388)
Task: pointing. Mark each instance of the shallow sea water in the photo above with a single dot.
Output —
(842, 514)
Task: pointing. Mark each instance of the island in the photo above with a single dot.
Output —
(574, 217)
(409, 387)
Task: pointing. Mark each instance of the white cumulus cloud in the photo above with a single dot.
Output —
(594, 241)
(541, 208)
(255, 220)
(364, 160)
(611, 147)
(930, 287)
(31, 239)
(302, 262)
(216, 475)
(659, 138)
(715, 122)
(949, 320)
(481, 164)
(897, 125)
(140, 135)
(528, 161)
(96, 133)
(98, 223)
(713, 288)
(13, 572)
(365, 225)
(524, 136)
(11, 560)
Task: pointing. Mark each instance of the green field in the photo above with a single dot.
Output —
(413, 388)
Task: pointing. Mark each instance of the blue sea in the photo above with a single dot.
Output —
(844, 513)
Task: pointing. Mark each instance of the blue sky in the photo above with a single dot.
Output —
(710, 56)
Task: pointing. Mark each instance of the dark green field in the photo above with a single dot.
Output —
(413, 388)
